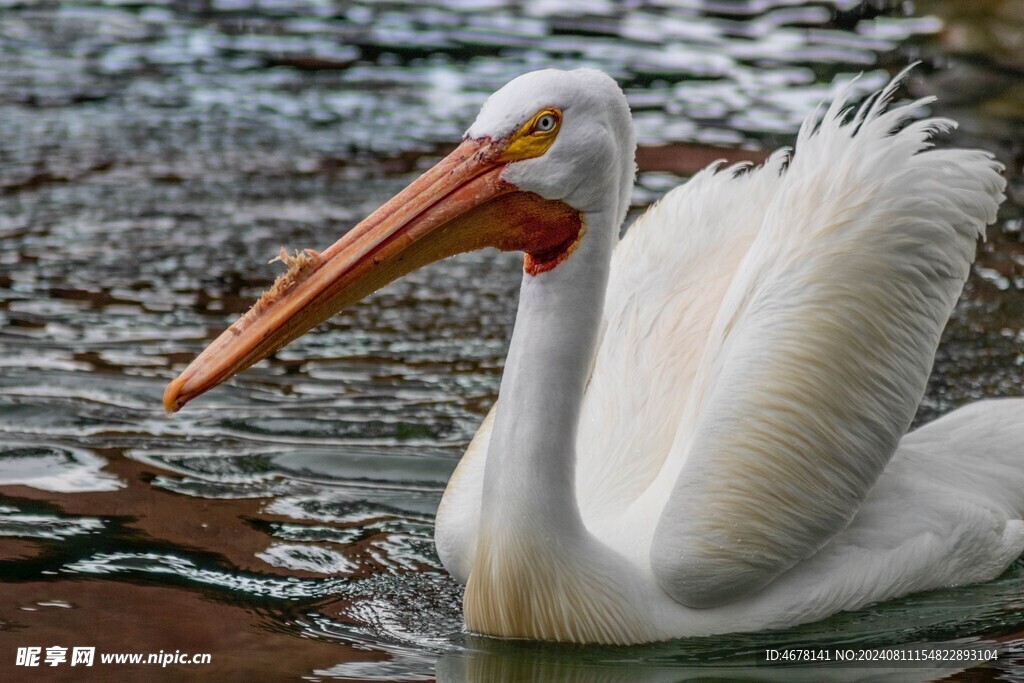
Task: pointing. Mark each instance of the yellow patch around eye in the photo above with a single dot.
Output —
(528, 142)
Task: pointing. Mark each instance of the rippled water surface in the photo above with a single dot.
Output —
(155, 154)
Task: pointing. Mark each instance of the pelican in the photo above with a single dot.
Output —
(701, 426)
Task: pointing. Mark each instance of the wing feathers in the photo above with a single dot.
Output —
(819, 353)
(668, 276)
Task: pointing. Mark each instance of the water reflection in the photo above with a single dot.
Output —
(155, 154)
(17, 524)
(939, 617)
(55, 469)
(526, 664)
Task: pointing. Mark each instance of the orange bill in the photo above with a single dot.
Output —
(459, 205)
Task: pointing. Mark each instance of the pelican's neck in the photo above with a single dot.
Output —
(538, 572)
(529, 481)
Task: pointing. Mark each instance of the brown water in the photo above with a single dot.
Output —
(155, 154)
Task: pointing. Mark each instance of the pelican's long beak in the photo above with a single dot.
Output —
(459, 205)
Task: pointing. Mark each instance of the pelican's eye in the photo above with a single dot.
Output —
(533, 137)
(545, 124)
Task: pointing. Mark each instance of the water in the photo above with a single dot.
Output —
(154, 154)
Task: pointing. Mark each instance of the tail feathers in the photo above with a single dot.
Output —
(978, 451)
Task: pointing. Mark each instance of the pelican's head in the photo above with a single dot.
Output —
(547, 150)
(586, 159)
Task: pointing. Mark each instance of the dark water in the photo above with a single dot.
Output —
(155, 154)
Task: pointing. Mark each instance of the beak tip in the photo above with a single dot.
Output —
(173, 401)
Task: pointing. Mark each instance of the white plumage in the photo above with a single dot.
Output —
(765, 340)
(701, 426)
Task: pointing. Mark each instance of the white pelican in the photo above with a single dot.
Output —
(701, 426)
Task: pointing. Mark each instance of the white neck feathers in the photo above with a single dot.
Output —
(538, 572)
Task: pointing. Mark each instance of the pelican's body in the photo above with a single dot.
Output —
(701, 427)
